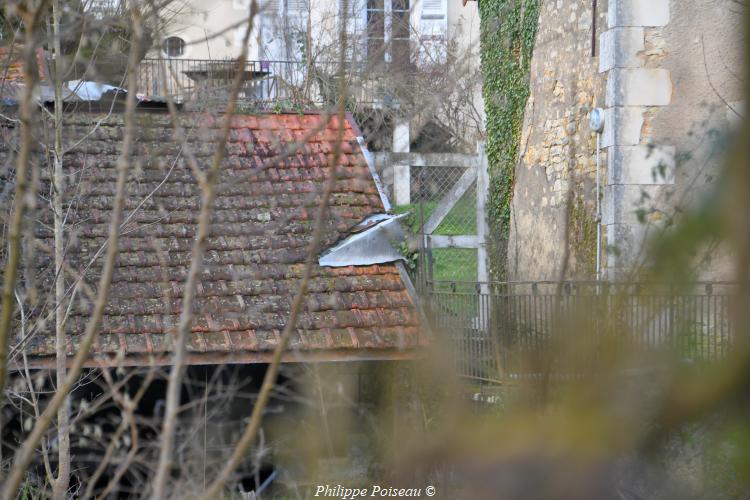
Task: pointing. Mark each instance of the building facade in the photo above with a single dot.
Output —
(663, 73)
(380, 30)
(404, 58)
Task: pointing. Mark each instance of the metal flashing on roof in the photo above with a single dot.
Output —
(374, 245)
(373, 171)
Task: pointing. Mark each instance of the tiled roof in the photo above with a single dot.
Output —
(262, 223)
(11, 71)
(10, 57)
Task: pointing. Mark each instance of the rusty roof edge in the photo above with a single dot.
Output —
(404, 275)
(370, 163)
(349, 354)
(412, 291)
(375, 176)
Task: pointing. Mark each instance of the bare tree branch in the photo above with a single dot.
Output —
(62, 482)
(208, 189)
(25, 455)
(269, 380)
(30, 75)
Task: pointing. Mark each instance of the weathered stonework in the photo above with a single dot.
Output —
(665, 77)
(557, 149)
(701, 47)
(638, 13)
(638, 173)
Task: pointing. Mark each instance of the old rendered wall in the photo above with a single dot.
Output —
(557, 148)
(667, 76)
(701, 47)
(207, 28)
(670, 65)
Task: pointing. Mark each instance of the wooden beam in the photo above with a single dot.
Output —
(450, 199)
(460, 241)
(426, 159)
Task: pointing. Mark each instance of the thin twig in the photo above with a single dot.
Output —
(179, 355)
(128, 405)
(30, 76)
(33, 394)
(25, 454)
(269, 379)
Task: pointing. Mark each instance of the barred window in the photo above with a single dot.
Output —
(174, 46)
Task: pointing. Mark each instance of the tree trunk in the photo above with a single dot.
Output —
(62, 482)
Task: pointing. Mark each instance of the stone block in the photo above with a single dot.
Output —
(625, 248)
(619, 48)
(622, 203)
(641, 165)
(401, 137)
(638, 13)
(622, 126)
(639, 87)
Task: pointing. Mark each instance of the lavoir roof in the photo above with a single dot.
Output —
(270, 183)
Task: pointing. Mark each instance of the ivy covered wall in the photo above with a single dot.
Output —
(541, 81)
(508, 31)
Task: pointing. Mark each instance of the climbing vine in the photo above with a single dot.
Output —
(508, 30)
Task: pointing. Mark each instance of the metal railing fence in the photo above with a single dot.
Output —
(265, 83)
(500, 331)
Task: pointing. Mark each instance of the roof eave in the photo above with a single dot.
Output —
(352, 354)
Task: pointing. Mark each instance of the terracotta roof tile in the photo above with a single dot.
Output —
(262, 224)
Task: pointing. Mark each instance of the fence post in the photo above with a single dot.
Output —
(482, 188)
(401, 171)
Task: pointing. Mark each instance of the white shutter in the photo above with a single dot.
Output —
(433, 9)
(271, 8)
(296, 6)
(433, 28)
(355, 20)
(294, 26)
(271, 41)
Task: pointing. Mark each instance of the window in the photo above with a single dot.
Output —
(400, 33)
(388, 32)
(174, 46)
(375, 31)
(433, 9)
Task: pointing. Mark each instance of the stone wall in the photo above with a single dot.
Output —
(667, 76)
(669, 70)
(557, 149)
(701, 48)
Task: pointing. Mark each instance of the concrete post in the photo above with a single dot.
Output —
(401, 172)
(485, 308)
(482, 189)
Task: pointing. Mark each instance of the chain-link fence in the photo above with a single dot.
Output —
(445, 202)
(444, 213)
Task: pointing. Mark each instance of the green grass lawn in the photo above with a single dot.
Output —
(448, 264)
(462, 219)
(454, 264)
